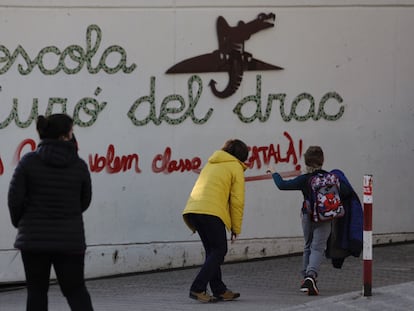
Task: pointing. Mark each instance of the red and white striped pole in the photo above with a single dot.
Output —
(367, 250)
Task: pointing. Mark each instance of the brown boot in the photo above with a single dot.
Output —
(202, 297)
(228, 295)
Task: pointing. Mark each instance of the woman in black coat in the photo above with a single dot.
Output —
(49, 191)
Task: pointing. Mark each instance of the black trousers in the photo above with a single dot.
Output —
(212, 232)
(69, 269)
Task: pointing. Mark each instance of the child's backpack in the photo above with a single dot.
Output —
(325, 200)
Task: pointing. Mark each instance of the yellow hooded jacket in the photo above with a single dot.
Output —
(219, 191)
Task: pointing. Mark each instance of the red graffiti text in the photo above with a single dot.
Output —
(273, 154)
(163, 163)
(18, 154)
(113, 164)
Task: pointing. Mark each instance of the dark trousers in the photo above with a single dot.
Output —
(69, 269)
(212, 232)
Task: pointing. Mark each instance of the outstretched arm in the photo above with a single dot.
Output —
(297, 183)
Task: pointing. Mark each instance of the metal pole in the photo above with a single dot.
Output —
(367, 250)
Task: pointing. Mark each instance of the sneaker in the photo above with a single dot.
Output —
(310, 284)
(303, 287)
(202, 297)
(228, 295)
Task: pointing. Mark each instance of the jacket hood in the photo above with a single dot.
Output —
(57, 153)
(221, 156)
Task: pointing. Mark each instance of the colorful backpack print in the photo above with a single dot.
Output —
(325, 200)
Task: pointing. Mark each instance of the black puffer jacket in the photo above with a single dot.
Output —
(49, 191)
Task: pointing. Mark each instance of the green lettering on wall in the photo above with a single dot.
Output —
(74, 53)
(293, 114)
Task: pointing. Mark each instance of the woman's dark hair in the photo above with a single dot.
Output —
(314, 157)
(54, 126)
(236, 148)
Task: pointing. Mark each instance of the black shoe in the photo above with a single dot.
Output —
(303, 287)
(202, 297)
(310, 284)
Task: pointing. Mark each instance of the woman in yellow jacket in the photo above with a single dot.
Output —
(216, 203)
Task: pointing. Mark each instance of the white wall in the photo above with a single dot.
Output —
(359, 50)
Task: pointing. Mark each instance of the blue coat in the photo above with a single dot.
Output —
(347, 233)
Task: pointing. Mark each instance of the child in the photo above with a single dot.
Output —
(315, 234)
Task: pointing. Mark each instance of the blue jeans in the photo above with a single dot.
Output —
(69, 269)
(212, 232)
(316, 235)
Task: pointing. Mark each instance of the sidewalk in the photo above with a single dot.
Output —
(393, 297)
(265, 285)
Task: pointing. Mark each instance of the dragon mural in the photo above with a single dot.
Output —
(231, 56)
